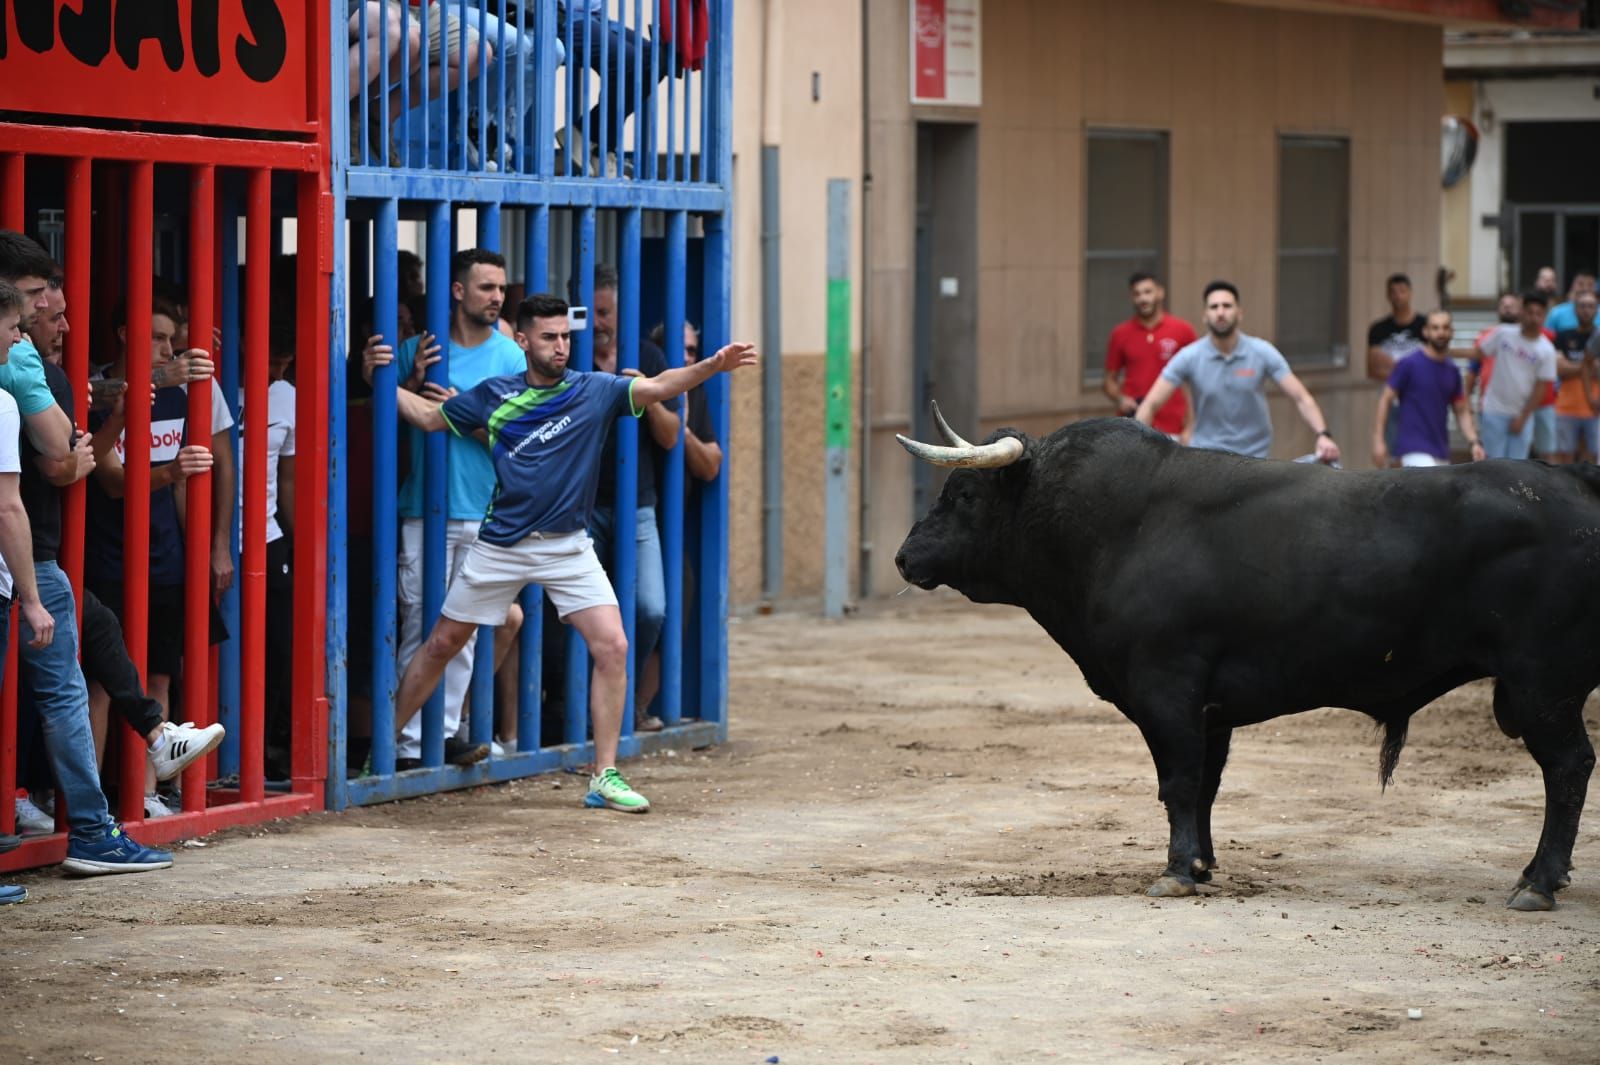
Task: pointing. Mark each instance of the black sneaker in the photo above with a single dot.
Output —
(460, 752)
(9, 843)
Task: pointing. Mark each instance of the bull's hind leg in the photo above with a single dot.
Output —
(1178, 744)
(1555, 735)
(1218, 739)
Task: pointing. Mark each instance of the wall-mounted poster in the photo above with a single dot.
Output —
(946, 52)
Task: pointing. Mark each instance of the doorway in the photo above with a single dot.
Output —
(945, 300)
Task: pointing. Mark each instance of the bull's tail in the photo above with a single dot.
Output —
(1394, 741)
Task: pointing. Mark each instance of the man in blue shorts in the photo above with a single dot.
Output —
(545, 429)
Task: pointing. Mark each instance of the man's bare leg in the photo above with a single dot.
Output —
(601, 628)
(426, 667)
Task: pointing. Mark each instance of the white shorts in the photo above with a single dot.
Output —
(563, 564)
(1415, 459)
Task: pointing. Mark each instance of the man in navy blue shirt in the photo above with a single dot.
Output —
(545, 429)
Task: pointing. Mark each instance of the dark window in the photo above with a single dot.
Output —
(1313, 249)
(1125, 230)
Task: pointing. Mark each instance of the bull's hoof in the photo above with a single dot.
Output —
(1530, 899)
(1171, 887)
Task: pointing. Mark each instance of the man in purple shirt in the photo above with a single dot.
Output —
(1427, 385)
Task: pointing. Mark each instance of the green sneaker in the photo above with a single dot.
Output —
(609, 789)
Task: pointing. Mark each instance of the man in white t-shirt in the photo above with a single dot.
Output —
(1524, 367)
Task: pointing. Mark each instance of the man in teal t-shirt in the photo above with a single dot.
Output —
(478, 351)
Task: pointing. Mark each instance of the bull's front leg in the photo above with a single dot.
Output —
(1178, 744)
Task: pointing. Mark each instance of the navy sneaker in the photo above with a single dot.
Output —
(117, 853)
(10, 893)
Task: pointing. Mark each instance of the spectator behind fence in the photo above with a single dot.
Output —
(658, 435)
(280, 408)
(1229, 417)
(1524, 369)
(196, 365)
(609, 47)
(544, 492)
(1391, 339)
(1426, 386)
(702, 454)
(1577, 428)
(463, 51)
(111, 676)
(1140, 348)
(1564, 315)
(95, 843)
(1546, 284)
(173, 459)
(478, 352)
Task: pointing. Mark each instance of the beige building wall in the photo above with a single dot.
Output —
(1224, 80)
(818, 139)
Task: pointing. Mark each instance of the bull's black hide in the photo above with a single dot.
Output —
(1200, 591)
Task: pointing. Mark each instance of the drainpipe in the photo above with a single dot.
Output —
(864, 437)
(771, 310)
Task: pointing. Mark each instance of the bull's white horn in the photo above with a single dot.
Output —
(949, 434)
(1002, 452)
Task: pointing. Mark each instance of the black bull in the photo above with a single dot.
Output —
(1200, 591)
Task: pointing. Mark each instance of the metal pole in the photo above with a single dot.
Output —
(836, 524)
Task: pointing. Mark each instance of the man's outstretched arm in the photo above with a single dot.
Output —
(423, 413)
(675, 382)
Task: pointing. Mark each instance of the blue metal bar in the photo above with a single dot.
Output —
(576, 73)
(707, 141)
(484, 114)
(625, 514)
(385, 483)
(228, 654)
(651, 135)
(543, 115)
(668, 64)
(713, 570)
(403, 134)
(336, 634)
(577, 685)
(489, 226)
(530, 655)
(423, 76)
(636, 62)
(361, 157)
(607, 91)
(435, 467)
(671, 494)
(688, 109)
(464, 83)
(480, 726)
(515, 189)
(530, 669)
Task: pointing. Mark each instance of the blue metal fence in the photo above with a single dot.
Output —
(535, 116)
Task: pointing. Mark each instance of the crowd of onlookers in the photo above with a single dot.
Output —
(78, 678)
(1530, 385)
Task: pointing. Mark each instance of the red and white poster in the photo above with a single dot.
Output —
(946, 52)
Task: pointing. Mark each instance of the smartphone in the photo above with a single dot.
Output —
(577, 319)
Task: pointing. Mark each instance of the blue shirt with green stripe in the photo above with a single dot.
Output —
(545, 444)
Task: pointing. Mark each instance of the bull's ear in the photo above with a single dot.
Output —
(1020, 469)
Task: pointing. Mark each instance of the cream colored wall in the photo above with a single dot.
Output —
(1225, 81)
(819, 139)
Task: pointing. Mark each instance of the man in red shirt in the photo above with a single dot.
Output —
(1138, 350)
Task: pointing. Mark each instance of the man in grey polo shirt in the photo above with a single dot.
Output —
(1227, 371)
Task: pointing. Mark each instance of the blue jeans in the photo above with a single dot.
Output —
(650, 583)
(614, 59)
(52, 676)
(1499, 442)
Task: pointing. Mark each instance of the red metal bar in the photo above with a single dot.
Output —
(197, 490)
(136, 467)
(8, 732)
(124, 146)
(309, 757)
(11, 207)
(253, 539)
(79, 222)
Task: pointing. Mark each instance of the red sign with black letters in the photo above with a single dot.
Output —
(238, 63)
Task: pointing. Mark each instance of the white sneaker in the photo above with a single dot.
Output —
(498, 749)
(154, 807)
(185, 743)
(32, 821)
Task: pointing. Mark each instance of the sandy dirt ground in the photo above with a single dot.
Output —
(926, 842)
